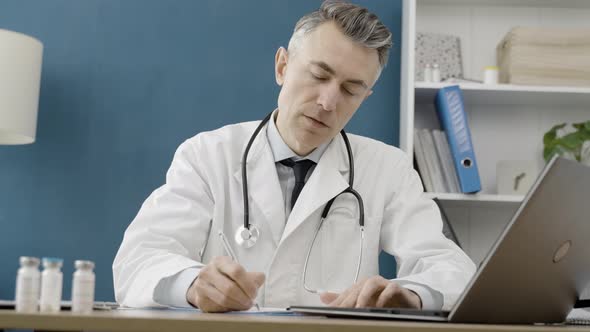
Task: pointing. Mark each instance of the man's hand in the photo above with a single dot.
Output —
(224, 285)
(374, 292)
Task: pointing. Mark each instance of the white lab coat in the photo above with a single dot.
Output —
(204, 183)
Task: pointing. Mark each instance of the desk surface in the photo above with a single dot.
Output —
(171, 320)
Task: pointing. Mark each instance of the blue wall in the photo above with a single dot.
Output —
(124, 82)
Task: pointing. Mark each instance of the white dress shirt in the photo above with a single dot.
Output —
(281, 151)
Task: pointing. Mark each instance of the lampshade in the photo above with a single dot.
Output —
(20, 76)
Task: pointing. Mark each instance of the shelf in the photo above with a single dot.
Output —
(510, 3)
(477, 200)
(509, 94)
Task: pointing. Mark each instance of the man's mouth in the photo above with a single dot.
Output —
(316, 122)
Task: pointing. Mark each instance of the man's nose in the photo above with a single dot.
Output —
(329, 97)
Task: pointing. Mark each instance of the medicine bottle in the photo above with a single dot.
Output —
(435, 73)
(490, 75)
(427, 73)
(83, 287)
(51, 285)
(27, 284)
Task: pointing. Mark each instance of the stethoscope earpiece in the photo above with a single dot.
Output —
(247, 237)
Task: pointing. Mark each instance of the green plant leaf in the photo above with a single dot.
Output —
(548, 152)
(570, 144)
(584, 135)
(551, 135)
(578, 126)
(572, 141)
(556, 149)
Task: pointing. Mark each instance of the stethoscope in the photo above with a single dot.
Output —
(247, 234)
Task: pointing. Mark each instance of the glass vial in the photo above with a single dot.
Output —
(435, 73)
(83, 287)
(27, 284)
(427, 73)
(51, 285)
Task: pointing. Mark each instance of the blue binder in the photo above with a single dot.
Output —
(451, 112)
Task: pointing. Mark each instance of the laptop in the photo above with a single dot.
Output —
(535, 270)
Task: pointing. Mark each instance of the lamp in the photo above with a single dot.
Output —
(20, 76)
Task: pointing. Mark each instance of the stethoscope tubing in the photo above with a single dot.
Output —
(244, 170)
(326, 210)
(248, 234)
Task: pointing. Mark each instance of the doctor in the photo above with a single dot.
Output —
(295, 165)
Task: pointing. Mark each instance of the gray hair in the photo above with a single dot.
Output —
(354, 21)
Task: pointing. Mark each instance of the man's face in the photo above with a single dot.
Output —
(323, 83)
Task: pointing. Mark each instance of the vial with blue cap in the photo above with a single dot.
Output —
(51, 285)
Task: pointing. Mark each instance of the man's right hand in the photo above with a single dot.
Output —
(224, 285)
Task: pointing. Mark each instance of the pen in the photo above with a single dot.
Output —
(202, 251)
(233, 256)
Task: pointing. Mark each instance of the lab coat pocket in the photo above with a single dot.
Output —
(339, 244)
(341, 249)
(334, 252)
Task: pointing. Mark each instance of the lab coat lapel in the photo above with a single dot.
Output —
(264, 189)
(327, 180)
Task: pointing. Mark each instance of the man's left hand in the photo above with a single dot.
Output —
(374, 292)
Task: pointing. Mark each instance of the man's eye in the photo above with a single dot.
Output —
(318, 77)
(348, 92)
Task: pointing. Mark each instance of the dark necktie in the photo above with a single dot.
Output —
(300, 168)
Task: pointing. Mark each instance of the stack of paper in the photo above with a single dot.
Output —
(545, 56)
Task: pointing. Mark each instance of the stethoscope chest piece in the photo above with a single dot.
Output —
(247, 238)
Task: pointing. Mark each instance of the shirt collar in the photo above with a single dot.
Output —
(281, 150)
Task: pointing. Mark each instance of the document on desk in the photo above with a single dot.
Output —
(578, 317)
(264, 311)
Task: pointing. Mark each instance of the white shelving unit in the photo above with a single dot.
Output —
(507, 122)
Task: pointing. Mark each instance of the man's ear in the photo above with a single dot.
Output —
(281, 59)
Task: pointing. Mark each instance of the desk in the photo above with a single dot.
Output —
(170, 320)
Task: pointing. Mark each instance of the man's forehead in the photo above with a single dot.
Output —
(328, 45)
